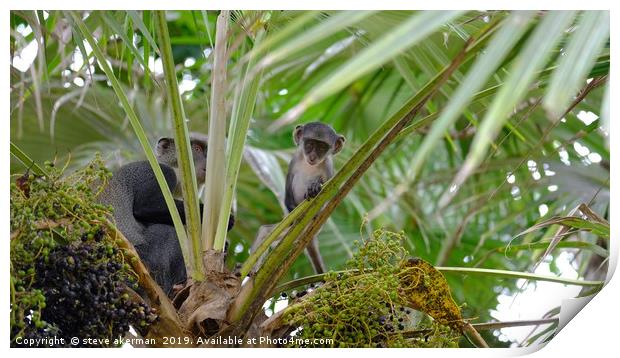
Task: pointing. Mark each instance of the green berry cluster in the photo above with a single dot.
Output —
(68, 277)
(365, 306)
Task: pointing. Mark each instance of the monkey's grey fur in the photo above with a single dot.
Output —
(309, 169)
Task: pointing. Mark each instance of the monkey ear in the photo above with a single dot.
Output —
(163, 144)
(297, 133)
(339, 144)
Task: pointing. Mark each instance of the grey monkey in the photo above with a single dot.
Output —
(141, 213)
(310, 168)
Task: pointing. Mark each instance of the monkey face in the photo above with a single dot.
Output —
(199, 154)
(315, 151)
(317, 140)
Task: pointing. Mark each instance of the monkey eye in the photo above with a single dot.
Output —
(319, 146)
(196, 148)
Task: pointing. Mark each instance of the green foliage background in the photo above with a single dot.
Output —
(63, 109)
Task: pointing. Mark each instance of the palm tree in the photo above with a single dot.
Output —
(482, 135)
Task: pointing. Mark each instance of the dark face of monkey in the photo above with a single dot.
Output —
(166, 154)
(317, 140)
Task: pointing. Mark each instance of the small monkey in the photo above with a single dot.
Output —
(310, 168)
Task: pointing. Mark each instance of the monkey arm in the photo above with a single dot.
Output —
(157, 212)
(289, 200)
(149, 206)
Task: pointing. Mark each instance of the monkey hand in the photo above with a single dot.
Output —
(314, 189)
